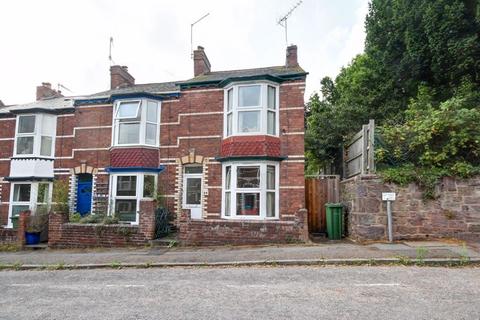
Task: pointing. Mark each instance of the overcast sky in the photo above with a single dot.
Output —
(67, 42)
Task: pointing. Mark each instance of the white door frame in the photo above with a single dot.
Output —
(195, 209)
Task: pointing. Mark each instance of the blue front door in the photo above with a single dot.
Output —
(84, 196)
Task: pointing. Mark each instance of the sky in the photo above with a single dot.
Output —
(67, 42)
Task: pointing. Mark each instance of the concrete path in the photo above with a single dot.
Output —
(330, 250)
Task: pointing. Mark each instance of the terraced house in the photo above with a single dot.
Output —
(224, 148)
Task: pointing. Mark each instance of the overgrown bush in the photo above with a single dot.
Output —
(60, 196)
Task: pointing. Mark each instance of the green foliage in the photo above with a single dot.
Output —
(60, 195)
(75, 217)
(92, 218)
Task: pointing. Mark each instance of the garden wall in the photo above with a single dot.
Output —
(455, 213)
(242, 232)
(63, 234)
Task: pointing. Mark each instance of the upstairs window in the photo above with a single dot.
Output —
(35, 135)
(136, 122)
(251, 110)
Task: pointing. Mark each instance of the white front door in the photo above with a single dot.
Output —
(192, 192)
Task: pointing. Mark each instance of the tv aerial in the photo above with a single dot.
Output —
(191, 32)
(283, 20)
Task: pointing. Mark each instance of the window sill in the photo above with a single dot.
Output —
(31, 157)
(129, 146)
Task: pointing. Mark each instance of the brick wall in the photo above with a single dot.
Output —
(455, 213)
(8, 235)
(63, 234)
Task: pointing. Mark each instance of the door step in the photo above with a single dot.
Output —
(40, 246)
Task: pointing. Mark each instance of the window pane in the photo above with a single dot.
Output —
(249, 121)
(228, 177)
(229, 124)
(127, 186)
(21, 192)
(128, 133)
(229, 99)
(227, 204)
(126, 210)
(271, 177)
(271, 123)
(46, 146)
(249, 96)
(271, 97)
(16, 209)
(193, 169)
(26, 124)
(152, 111)
(270, 204)
(48, 125)
(248, 204)
(42, 196)
(151, 134)
(148, 186)
(25, 145)
(193, 191)
(128, 109)
(248, 177)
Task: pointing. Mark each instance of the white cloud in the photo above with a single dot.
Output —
(67, 41)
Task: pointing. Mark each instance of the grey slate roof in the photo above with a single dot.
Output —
(153, 88)
(53, 104)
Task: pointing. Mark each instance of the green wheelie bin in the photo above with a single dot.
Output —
(335, 220)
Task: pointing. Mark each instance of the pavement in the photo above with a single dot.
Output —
(342, 252)
(294, 292)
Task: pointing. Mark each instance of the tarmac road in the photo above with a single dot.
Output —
(243, 293)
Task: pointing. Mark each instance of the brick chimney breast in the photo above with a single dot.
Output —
(45, 91)
(292, 60)
(120, 77)
(201, 65)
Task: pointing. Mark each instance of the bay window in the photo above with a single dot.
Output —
(136, 122)
(35, 135)
(250, 190)
(126, 192)
(34, 196)
(251, 109)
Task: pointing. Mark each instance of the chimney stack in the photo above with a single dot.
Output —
(292, 60)
(45, 91)
(120, 78)
(201, 65)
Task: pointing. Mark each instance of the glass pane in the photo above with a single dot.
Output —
(128, 133)
(248, 177)
(126, 210)
(270, 177)
(229, 124)
(270, 204)
(128, 109)
(271, 123)
(48, 125)
(127, 186)
(228, 177)
(271, 97)
(229, 99)
(148, 186)
(26, 124)
(25, 145)
(151, 134)
(193, 191)
(248, 204)
(21, 192)
(152, 111)
(249, 96)
(227, 204)
(249, 121)
(46, 146)
(193, 169)
(42, 196)
(16, 209)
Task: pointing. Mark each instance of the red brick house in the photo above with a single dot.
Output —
(225, 149)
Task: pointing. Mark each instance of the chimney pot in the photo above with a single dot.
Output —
(120, 77)
(291, 59)
(201, 65)
(45, 91)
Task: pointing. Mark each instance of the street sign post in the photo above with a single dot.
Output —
(389, 197)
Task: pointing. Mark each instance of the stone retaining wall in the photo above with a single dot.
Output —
(455, 213)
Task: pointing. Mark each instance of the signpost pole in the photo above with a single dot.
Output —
(390, 224)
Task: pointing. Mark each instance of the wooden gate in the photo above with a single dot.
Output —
(320, 190)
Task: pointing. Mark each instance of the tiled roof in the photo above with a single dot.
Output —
(152, 88)
(53, 104)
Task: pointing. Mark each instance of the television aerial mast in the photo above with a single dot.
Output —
(110, 52)
(191, 33)
(283, 20)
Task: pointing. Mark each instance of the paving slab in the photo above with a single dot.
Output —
(389, 246)
(417, 244)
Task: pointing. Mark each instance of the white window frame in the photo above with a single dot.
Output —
(32, 203)
(138, 192)
(143, 122)
(186, 176)
(37, 135)
(262, 190)
(263, 108)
